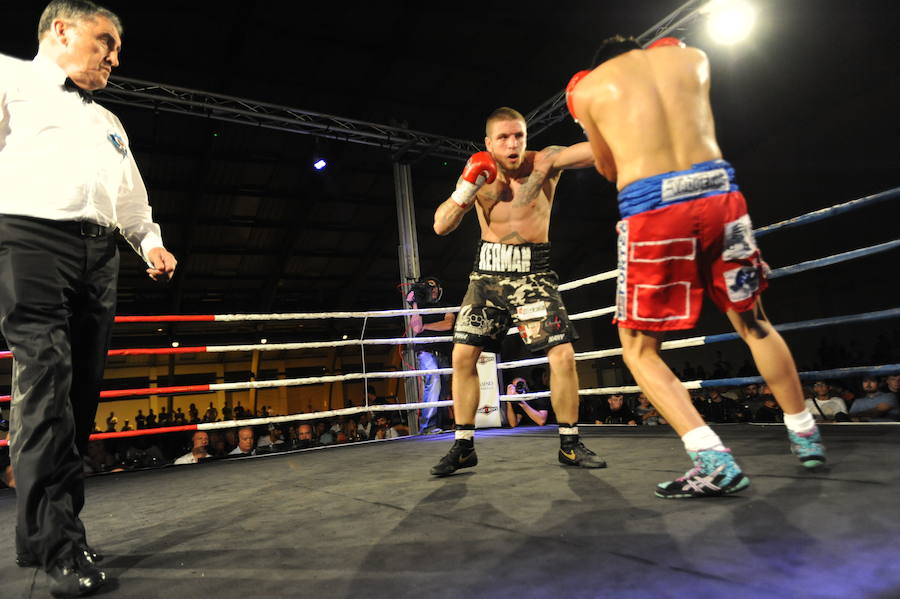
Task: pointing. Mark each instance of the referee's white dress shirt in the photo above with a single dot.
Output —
(64, 159)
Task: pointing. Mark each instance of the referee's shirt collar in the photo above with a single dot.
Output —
(49, 70)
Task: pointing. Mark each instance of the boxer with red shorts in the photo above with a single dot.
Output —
(684, 231)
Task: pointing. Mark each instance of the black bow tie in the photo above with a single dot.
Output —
(71, 86)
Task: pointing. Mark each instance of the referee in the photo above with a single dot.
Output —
(68, 180)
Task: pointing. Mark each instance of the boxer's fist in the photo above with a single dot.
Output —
(666, 41)
(570, 100)
(479, 169)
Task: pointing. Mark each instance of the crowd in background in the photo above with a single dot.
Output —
(865, 399)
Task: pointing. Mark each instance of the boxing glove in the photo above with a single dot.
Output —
(570, 103)
(666, 41)
(479, 169)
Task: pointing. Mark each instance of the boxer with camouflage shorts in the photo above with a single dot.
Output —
(512, 190)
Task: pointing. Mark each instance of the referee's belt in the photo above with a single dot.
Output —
(84, 228)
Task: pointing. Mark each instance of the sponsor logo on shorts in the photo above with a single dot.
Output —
(553, 324)
(622, 279)
(471, 322)
(555, 338)
(692, 184)
(742, 282)
(503, 257)
(530, 331)
(532, 311)
(738, 242)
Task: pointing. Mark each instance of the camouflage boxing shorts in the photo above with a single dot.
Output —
(512, 285)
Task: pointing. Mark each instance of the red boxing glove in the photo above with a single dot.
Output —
(571, 87)
(666, 41)
(479, 169)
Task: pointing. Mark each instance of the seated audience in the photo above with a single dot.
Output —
(199, 444)
(875, 405)
(532, 412)
(246, 444)
(824, 406)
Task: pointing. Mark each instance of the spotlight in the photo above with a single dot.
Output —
(729, 21)
(263, 340)
(344, 337)
(320, 164)
(175, 344)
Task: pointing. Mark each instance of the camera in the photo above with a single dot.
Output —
(422, 291)
(521, 387)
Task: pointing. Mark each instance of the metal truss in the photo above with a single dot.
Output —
(406, 145)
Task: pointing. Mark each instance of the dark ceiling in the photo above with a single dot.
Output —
(804, 111)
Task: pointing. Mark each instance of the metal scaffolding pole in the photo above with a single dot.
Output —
(404, 144)
(409, 270)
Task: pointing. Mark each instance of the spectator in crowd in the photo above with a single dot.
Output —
(246, 442)
(427, 293)
(239, 411)
(769, 411)
(127, 427)
(227, 412)
(98, 459)
(824, 406)
(324, 436)
(619, 413)
(193, 414)
(752, 398)
(386, 429)
(151, 419)
(893, 384)
(179, 418)
(718, 407)
(351, 431)
(876, 405)
(217, 447)
(212, 414)
(199, 445)
(305, 436)
(140, 421)
(365, 426)
(111, 422)
(646, 412)
(164, 418)
(271, 441)
(533, 412)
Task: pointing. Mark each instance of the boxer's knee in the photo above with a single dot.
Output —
(561, 358)
(465, 357)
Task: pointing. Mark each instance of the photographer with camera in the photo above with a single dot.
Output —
(427, 293)
(534, 412)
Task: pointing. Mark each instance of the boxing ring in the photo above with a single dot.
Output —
(366, 519)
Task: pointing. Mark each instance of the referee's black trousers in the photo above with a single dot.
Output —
(57, 302)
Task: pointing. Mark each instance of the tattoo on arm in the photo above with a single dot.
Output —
(532, 187)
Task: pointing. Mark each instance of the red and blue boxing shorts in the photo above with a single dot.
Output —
(681, 233)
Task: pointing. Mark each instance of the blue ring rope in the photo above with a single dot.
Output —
(834, 373)
(828, 212)
(835, 259)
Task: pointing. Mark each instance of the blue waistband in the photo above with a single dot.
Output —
(703, 179)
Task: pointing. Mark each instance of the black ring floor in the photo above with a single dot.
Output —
(368, 521)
